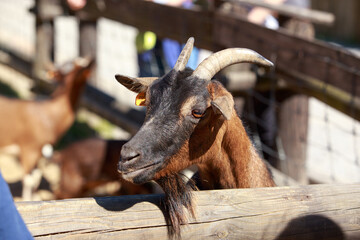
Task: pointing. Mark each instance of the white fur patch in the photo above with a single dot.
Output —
(47, 151)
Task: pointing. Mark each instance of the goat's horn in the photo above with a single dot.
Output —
(184, 55)
(217, 61)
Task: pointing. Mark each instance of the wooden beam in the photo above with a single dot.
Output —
(16, 60)
(329, 63)
(47, 10)
(106, 106)
(315, 16)
(166, 21)
(300, 212)
(344, 102)
(215, 30)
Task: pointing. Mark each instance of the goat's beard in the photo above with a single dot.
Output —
(178, 197)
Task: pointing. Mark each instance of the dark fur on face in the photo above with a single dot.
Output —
(165, 130)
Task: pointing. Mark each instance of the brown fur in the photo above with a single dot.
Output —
(32, 124)
(225, 158)
(90, 163)
(191, 120)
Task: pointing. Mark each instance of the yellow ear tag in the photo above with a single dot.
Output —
(140, 99)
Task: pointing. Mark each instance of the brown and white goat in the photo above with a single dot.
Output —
(89, 163)
(32, 124)
(191, 120)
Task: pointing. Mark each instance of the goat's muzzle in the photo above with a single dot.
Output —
(134, 167)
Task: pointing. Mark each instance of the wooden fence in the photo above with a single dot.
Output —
(303, 65)
(300, 212)
(312, 67)
(307, 65)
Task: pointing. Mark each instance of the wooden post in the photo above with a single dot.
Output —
(87, 42)
(293, 128)
(299, 212)
(293, 119)
(45, 11)
(44, 43)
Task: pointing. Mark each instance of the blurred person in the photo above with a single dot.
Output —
(76, 5)
(171, 48)
(149, 54)
(155, 55)
(268, 18)
(12, 225)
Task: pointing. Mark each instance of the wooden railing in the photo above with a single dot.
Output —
(315, 68)
(299, 212)
(302, 65)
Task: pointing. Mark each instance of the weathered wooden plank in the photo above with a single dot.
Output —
(315, 16)
(345, 102)
(106, 106)
(346, 26)
(47, 9)
(214, 30)
(300, 212)
(166, 21)
(328, 63)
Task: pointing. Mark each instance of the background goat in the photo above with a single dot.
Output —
(191, 120)
(33, 124)
(89, 163)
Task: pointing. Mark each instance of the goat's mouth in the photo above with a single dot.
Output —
(139, 175)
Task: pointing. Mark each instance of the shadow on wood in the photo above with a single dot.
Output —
(312, 227)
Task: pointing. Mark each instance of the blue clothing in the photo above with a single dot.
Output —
(12, 225)
(172, 50)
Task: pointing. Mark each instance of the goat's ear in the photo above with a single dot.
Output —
(86, 65)
(137, 85)
(85, 62)
(222, 101)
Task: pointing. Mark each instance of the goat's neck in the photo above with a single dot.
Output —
(235, 163)
(71, 91)
(60, 114)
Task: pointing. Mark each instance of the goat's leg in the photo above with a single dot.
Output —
(30, 183)
(29, 158)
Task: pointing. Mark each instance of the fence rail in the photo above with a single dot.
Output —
(294, 57)
(299, 212)
(303, 65)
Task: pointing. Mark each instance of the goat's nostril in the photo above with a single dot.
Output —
(129, 155)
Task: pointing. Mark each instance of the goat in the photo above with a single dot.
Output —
(33, 124)
(89, 163)
(191, 120)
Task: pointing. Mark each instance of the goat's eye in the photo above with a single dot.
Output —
(197, 113)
